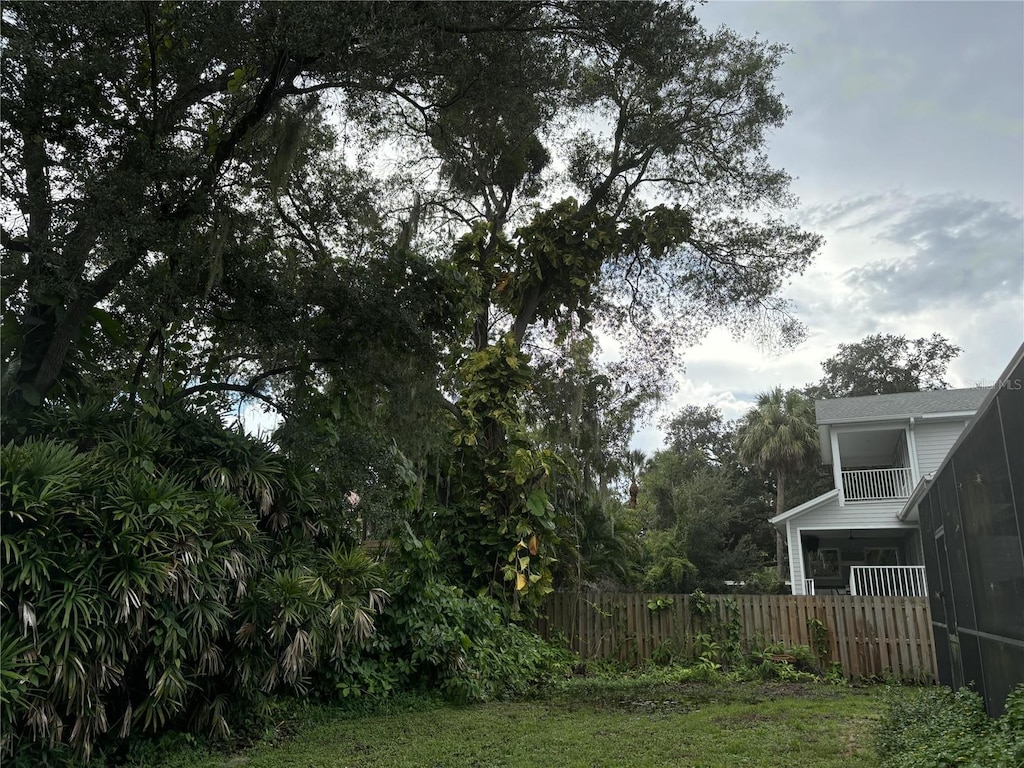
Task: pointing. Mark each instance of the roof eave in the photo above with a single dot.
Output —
(897, 417)
(916, 495)
(805, 507)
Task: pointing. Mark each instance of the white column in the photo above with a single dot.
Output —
(837, 467)
(796, 576)
(915, 471)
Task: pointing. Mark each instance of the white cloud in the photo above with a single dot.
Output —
(893, 263)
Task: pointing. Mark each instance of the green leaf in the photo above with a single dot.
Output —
(236, 80)
(31, 395)
(536, 502)
(110, 326)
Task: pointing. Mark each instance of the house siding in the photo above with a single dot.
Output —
(856, 514)
(934, 442)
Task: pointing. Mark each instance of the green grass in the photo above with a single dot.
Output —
(594, 724)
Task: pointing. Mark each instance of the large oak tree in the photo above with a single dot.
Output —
(385, 212)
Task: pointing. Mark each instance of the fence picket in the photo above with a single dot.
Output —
(867, 636)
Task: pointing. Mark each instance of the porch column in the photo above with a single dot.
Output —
(796, 560)
(804, 570)
(837, 467)
(915, 470)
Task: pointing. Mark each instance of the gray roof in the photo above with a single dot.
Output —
(901, 405)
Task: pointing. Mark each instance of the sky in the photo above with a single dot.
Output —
(906, 141)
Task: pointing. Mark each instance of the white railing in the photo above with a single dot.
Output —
(873, 484)
(888, 580)
(808, 586)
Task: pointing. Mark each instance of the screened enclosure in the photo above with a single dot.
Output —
(972, 521)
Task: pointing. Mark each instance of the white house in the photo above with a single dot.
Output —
(862, 537)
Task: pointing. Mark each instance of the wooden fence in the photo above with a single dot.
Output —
(868, 636)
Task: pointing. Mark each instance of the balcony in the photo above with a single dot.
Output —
(877, 484)
(888, 580)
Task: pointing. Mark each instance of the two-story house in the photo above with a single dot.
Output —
(861, 537)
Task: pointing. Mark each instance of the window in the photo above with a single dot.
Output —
(825, 563)
(881, 556)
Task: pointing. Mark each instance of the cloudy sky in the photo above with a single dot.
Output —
(907, 144)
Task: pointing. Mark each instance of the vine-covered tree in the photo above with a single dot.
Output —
(654, 231)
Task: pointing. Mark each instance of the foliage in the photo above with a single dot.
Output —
(718, 641)
(699, 433)
(436, 638)
(936, 728)
(779, 435)
(604, 548)
(196, 218)
(656, 604)
(883, 364)
(180, 174)
(765, 581)
(197, 215)
(497, 523)
(701, 512)
(581, 411)
(195, 178)
(668, 570)
(819, 634)
(779, 432)
(463, 647)
(162, 570)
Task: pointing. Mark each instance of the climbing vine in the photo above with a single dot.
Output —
(500, 523)
(719, 619)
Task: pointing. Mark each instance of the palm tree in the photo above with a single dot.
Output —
(779, 435)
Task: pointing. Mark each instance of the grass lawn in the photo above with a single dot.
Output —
(595, 724)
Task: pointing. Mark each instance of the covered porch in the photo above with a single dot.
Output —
(871, 463)
(880, 561)
(861, 548)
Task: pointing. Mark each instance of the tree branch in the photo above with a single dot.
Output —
(225, 387)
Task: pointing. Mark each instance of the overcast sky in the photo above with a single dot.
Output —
(907, 145)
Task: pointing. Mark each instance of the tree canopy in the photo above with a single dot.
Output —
(883, 364)
(400, 226)
(702, 515)
(189, 172)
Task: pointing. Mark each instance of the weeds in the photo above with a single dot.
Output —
(937, 728)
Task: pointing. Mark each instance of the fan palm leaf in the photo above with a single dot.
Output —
(779, 434)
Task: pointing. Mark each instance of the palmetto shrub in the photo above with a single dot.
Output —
(162, 570)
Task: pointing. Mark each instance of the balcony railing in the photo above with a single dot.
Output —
(808, 586)
(888, 580)
(877, 484)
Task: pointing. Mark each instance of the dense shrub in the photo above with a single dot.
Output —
(433, 635)
(937, 728)
(161, 570)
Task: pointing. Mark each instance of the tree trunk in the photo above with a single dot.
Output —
(780, 507)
